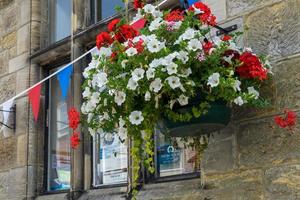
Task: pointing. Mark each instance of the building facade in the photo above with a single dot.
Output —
(250, 159)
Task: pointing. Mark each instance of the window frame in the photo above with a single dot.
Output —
(58, 63)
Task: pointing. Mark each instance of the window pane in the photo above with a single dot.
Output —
(59, 140)
(62, 19)
(173, 158)
(110, 160)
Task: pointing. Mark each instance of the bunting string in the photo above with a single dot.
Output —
(48, 77)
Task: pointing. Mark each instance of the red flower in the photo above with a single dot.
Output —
(75, 140)
(226, 38)
(251, 67)
(113, 56)
(126, 32)
(205, 14)
(74, 118)
(113, 25)
(207, 46)
(174, 16)
(138, 4)
(103, 39)
(288, 121)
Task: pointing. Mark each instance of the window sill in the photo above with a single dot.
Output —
(179, 177)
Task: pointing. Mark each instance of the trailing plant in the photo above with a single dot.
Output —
(137, 77)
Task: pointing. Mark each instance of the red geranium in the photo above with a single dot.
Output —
(288, 121)
(205, 14)
(226, 38)
(126, 32)
(174, 16)
(138, 4)
(207, 46)
(74, 118)
(75, 140)
(251, 67)
(103, 39)
(113, 25)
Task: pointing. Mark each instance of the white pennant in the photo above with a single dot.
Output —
(6, 107)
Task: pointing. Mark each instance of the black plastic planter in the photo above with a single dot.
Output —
(217, 117)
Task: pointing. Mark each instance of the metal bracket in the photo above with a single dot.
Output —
(12, 110)
(226, 30)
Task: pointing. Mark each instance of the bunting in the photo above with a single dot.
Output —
(139, 24)
(63, 78)
(34, 98)
(6, 107)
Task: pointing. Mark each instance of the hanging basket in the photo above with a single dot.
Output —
(217, 117)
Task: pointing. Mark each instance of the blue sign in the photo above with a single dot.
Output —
(168, 155)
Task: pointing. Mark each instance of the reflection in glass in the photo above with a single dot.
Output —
(58, 140)
(62, 19)
(110, 159)
(173, 158)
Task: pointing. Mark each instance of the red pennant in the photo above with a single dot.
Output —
(139, 24)
(34, 98)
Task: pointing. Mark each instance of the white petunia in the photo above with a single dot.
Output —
(138, 74)
(238, 101)
(155, 24)
(120, 97)
(155, 63)
(131, 51)
(237, 85)
(155, 46)
(95, 98)
(136, 117)
(99, 79)
(255, 93)
(214, 80)
(148, 8)
(147, 96)
(197, 11)
(194, 45)
(132, 85)
(172, 102)
(86, 92)
(188, 34)
(157, 14)
(172, 68)
(150, 73)
(228, 59)
(123, 63)
(183, 100)
(156, 85)
(186, 72)
(105, 51)
(174, 82)
(183, 56)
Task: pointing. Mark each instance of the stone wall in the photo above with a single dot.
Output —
(252, 158)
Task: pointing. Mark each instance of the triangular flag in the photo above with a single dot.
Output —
(139, 24)
(64, 80)
(34, 98)
(6, 107)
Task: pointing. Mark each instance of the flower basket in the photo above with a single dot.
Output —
(216, 118)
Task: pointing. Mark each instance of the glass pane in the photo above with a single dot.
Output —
(173, 157)
(59, 140)
(62, 19)
(110, 160)
(108, 7)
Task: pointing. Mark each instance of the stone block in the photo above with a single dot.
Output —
(22, 80)
(236, 7)
(9, 40)
(5, 3)
(23, 39)
(7, 152)
(283, 182)
(275, 30)
(18, 62)
(16, 189)
(4, 57)
(218, 8)
(7, 87)
(8, 20)
(21, 150)
(287, 83)
(23, 12)
(261, 144)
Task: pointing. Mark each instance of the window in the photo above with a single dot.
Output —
(102, 9)
(173, 157)
(110, 160)
(59, 157)
(60, 19)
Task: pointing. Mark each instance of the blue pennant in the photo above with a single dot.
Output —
(189, 2)
(64, 77)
